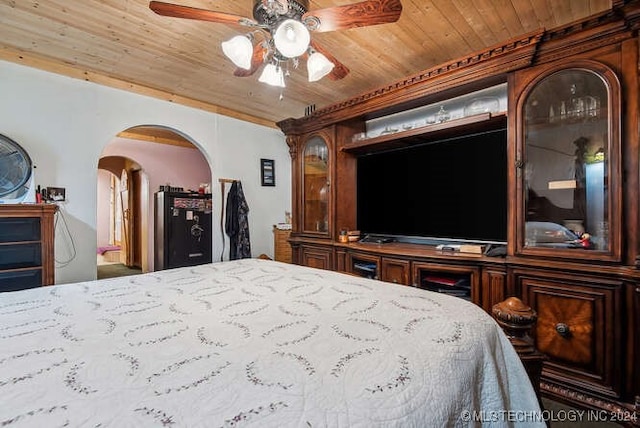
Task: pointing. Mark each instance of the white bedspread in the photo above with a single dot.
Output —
(253, 343)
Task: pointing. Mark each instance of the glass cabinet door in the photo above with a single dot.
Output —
(567, 162)
(316, 186)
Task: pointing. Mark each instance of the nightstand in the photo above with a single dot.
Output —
(281, 246)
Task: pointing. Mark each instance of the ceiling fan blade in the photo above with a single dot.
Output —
(362, 14)
(257, 60)
(340, 71)
(187, 12)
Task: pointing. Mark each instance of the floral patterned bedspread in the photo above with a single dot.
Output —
(252, 343)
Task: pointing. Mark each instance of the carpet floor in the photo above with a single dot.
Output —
(113, 270)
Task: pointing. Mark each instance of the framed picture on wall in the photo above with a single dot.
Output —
(268, 172)
(56, 194)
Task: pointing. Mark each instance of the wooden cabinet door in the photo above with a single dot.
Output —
(576, 329)
(395, 270)
(316, 257)
(126, 201)
(315, 186)
(567, 162)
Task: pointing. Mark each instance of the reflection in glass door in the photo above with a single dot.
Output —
(566, 155)
(316, 186)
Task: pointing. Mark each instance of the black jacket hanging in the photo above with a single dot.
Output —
(237, 223)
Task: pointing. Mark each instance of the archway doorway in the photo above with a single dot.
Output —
(150, 157)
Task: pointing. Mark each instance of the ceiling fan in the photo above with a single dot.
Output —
(281, 32)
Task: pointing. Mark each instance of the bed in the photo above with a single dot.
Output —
(253, 343)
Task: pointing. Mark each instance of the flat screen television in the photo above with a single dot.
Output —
(452, 190)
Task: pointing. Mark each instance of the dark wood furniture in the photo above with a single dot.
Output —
(281, 246)
(518, 320)
(572, 106)
(26, 246)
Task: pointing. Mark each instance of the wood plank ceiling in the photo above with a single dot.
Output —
(122, 43)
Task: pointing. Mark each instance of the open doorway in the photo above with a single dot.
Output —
(121, 188)
(133, 166)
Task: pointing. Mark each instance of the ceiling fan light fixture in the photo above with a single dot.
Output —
(285, 26)
(272, 75)
(239, 50)
(318, 66)
(291, 38)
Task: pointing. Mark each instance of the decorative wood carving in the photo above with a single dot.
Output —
(361, 14)
(589, 401)
(517, 320)
(509, 56)
(293, 147)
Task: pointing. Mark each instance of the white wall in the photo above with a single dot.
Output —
(65, 123)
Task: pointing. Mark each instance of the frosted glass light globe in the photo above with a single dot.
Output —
(239, 50)
(291, 38)
(318, 66)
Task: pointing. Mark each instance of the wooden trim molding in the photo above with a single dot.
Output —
(57, 67)
(511, 55)
(563, 393)
(159, 136)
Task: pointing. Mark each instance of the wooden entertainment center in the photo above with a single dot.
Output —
(568, 98)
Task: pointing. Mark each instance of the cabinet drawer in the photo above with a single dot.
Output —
(575, 329)
(20, 256)
(20, 280)
(18, 229)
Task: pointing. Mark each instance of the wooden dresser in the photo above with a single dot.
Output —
(281, 246)
(26, 246)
